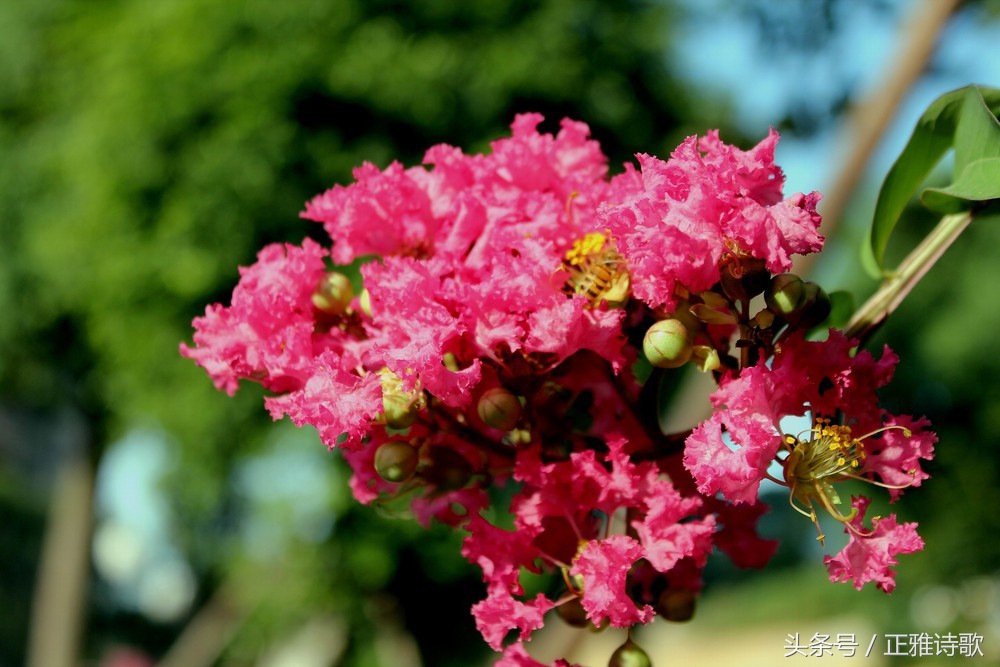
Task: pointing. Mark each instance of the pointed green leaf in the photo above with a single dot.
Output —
(962, 118)
(978, 182)
(977, 135)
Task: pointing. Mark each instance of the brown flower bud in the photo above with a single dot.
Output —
(396, 461)
(676, 604)
(499, 408)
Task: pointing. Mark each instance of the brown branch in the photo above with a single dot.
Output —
(208, 633)
(869, 117)
(57, 614)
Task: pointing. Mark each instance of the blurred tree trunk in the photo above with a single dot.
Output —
(57, 617)
(870, 115)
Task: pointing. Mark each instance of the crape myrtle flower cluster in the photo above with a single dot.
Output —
(517, 312)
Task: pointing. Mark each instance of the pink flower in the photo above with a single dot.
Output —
(604, 564)
(869, 555)
(267, 333)
(822, 378)
(516, 655)
(501, 612)
(392, 201)
(731, 451)
(708, 200)
(337, 402)
(665, 539)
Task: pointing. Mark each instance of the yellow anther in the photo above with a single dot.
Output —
(583, 249)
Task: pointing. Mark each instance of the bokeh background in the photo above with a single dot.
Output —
(148, 149)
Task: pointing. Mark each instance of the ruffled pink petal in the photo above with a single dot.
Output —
(516, 655)
(604, 566)
(895, 458)
(266, 334)
(665, 539)
(734, 470)
(501, 612)
(393, 202)
(868, 557)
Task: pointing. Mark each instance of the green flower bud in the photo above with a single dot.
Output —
(499, 408)
(667, 344)
(676, 604)
(333, 294)
(785, 294)
(815, 308)
(396, 461)
(630, 654)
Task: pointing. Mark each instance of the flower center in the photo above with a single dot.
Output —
(831, 454)
(597, 271)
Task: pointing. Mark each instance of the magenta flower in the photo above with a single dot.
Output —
(496, 343)
(731, 452)
(708, 201)
(869, 554)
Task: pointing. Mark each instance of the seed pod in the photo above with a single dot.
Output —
(499, 408)
(676, 604)
(667, 344)
(333, 294)
(396, 461)
(573, 613)
(785, 294)
(630, 654)
(446, 469)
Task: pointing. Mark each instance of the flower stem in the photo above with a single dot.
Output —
(912, 269)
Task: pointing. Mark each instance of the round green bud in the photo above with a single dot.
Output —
(785, 294)
(815, 308)
(396, 461)
(676, 605)
(333, 294)
(630, 654)
(667, 344)
(499, 408)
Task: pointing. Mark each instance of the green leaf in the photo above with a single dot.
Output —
(841, 309)
(977, 135)
(978, 182)
(964, 119)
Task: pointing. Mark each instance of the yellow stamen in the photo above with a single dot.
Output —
(830, 454)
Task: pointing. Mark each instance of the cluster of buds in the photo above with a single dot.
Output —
(523, 312)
